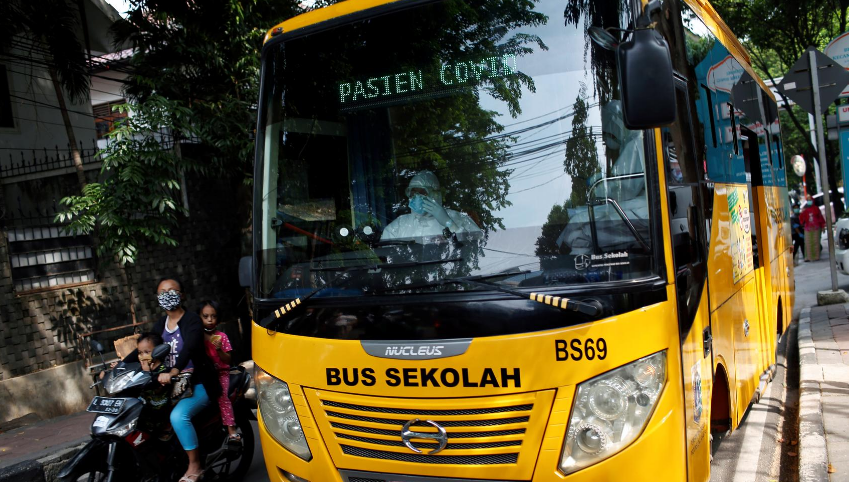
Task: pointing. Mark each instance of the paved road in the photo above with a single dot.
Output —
(257, 472)
(762, 449)
(758, 449)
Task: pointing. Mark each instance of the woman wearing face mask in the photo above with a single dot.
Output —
(814, 224)
(428, 217)
(184, 332)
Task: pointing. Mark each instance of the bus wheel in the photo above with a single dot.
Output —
(779, 319)
(720, 421)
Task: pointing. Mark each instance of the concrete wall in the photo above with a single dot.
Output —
(48, 393)
(38, 330)
(38, 122)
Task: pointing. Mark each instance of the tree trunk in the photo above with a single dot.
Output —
(81, 179)
(69, 130)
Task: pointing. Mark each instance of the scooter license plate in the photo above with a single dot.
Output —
(105, 405)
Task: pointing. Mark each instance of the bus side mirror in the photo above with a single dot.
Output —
(646, 78)
(245, 271)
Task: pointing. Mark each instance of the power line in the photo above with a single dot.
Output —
(45, 52)
(39, 121)
(46, 78)
(533, 187)
(44, 104)
(48, 64)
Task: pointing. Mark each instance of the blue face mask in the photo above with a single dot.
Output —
(416, 204)
(809, 203)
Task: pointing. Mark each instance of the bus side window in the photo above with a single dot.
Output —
(684, 174)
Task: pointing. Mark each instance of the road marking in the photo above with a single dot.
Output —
(748, 464)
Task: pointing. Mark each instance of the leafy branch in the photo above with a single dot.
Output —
(138, 198)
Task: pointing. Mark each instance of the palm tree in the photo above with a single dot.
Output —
(48, 29)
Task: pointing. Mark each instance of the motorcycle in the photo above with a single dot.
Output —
(123, 448)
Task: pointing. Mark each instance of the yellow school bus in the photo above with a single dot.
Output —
(495, 240)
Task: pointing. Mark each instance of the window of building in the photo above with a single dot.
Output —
(46, 257)
(106, 118)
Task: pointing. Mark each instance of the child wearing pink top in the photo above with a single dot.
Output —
(218, 349)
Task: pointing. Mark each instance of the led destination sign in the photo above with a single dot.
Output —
(377, 90)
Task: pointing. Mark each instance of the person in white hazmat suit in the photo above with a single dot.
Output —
(630, 194)
(428, 217)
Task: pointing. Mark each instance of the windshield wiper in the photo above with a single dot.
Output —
(394, 242)
(589, 308)
(372, 267)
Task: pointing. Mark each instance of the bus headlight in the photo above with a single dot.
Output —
(610, 411)
(278, 413)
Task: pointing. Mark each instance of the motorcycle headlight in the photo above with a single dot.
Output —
(123, 429)
(117, 382)
(278, 413)
(610, 411)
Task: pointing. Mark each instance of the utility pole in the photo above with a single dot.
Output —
(828, 212)
(816, 171)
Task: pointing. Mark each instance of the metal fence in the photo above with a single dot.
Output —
(30, 161)
(35, 160)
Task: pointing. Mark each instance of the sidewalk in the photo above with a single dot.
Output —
(823, 408)
(29, 450)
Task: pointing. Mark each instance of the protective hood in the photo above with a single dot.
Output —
(428, 181)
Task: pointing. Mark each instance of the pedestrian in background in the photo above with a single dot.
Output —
(814, 224)
(797, 235)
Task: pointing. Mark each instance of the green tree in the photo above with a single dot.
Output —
(776, 33)
(601, 14)
(195, 74)
(137, 199)
(580, 163)
(546, 247)
(580, 156)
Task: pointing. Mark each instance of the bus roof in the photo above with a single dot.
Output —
(320, 15)
(713, 21)
(702, 8)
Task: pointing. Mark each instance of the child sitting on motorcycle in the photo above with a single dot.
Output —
(218, 349)
(156, 395)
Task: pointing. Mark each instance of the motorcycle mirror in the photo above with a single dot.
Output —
(96, 346)
(160, 351)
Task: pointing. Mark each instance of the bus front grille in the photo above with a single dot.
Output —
(498, 459)
(479, 431)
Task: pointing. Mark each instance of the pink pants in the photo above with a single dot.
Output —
(224, 402)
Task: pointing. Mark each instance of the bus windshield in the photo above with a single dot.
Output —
(449, 140)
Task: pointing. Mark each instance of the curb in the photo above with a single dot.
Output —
(44, 469)
(26, 471)
(812, 445)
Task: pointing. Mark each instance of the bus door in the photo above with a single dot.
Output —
(753, 147)
(743, 310)
(684, 172)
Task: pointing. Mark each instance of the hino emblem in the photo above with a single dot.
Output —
(440, 437)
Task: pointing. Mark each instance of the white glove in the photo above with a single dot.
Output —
(437, 211)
